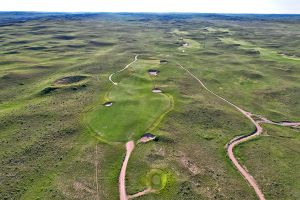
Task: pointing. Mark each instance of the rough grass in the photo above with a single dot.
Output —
(273, 159)
(48, 152)
(70, 79)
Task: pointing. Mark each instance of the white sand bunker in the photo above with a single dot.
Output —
(147, 137)
(108, 104)
(153, 72)
(156, 90)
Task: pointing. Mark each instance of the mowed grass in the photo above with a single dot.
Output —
(135, 108)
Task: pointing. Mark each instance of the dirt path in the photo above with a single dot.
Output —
(240, 139)
(141, 193)
(110, 76)
(288, 124)
(122, 186)
(237, 140)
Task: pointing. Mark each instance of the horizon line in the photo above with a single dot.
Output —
(146, 12)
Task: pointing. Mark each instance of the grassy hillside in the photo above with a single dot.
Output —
(274, 161)
(58, 141)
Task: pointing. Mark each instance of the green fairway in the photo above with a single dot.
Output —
(135, 108)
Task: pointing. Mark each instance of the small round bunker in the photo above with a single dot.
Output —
(108, 104)
(156, 90)
(147, 137)
(153, 72)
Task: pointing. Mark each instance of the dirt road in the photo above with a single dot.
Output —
(141, 193)
(237, 140)
(122, 186)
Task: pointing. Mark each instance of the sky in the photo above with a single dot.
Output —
(201, 6)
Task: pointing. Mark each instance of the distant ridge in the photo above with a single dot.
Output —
(7, 17)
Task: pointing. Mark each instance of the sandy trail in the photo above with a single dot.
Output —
(240, 139)
(288, 124)
(122, 186)
(237, 140)
(284, 123)
(140, 193)
(292, 124)
(110, 76)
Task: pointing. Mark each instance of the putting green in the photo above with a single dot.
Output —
(135, 108)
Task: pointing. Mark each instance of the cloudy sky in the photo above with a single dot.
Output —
(203, 6)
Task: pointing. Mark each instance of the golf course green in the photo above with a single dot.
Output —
(135, 108)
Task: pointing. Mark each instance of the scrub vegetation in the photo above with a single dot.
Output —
(58, 140)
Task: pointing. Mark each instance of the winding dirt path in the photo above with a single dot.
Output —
(110, 76)
(237, 140)
(122, 186)
(240, 139)
(122, 183)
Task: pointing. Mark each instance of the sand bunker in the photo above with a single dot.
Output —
(153, 72)
(108, 104)
(69, 80)
(147, 137)
(156, 90)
